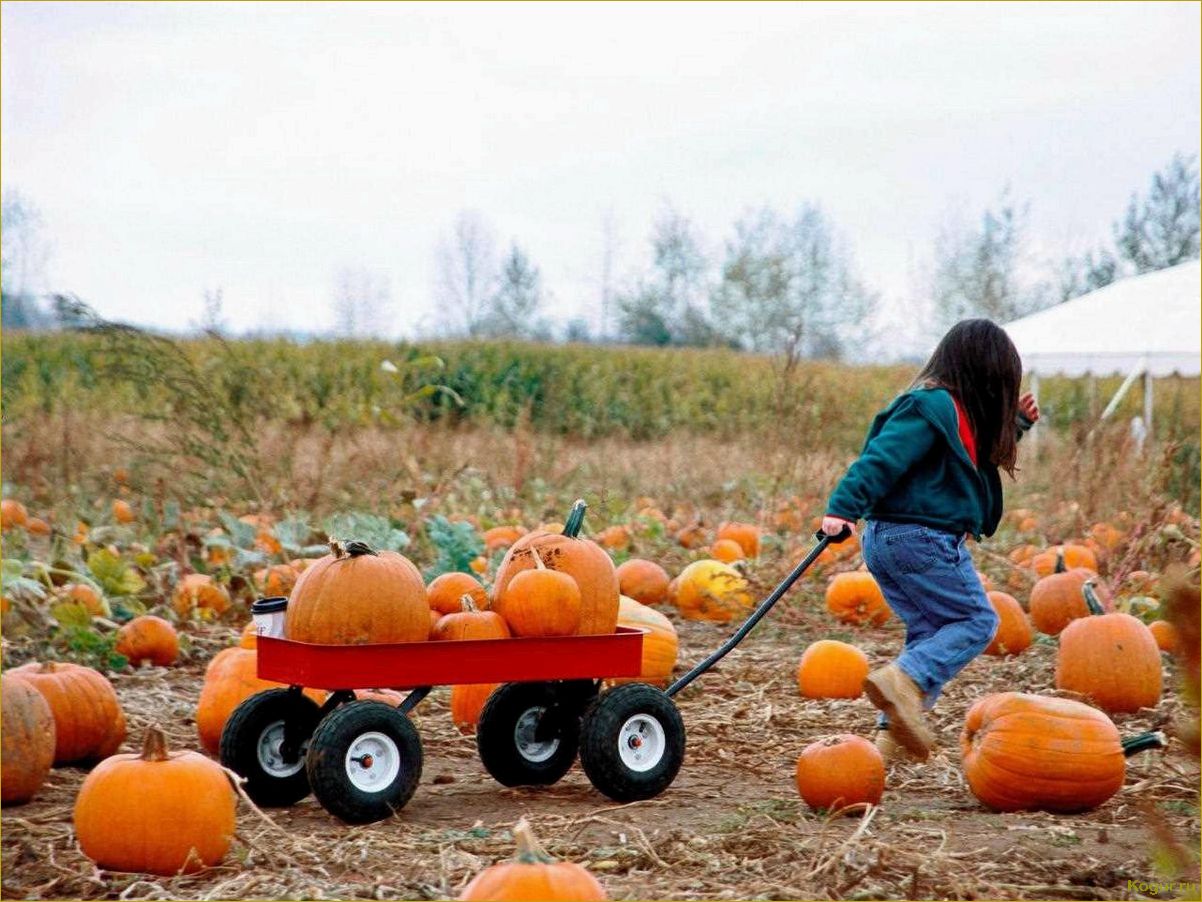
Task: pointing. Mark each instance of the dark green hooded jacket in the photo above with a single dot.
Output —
(915, 469)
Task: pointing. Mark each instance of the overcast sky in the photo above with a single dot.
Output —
(258, 148)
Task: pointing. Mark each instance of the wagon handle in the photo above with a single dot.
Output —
(764, 607)
(571, 526)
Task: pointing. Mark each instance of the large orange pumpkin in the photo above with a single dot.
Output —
(1029, 752)
(357, 596)
(469, 623)
(26, 740)
(446, 591)
(1111, 658)
(148, 638)
(1057, 599)
(231, 678)
(644, 581)
(841, 772)
(156, 812)
(854, 597)
(1014, 629)
(467, 701)
(88, 720)
(198, 590)
(747, 535)
(832, 669)
(585, 561)
(533, 874)
(660, 644)
(712, 590)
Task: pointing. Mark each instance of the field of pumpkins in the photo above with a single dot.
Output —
(1066, 764)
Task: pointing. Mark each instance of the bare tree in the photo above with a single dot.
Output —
(212, 322)
(467, 273)
(1162, 229)
(362, 302)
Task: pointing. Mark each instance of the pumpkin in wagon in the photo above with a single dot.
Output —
(660, 643)
(541, 602)
(445, 592)
(470, 623)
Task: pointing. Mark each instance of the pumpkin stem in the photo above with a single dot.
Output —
(571, 526)
(466, 604)
(154, 745)
(538, 561)
(1141, 742)
(358, 549)
(1091, 598)
(336, 548)
(529, 851)
(1060, 567)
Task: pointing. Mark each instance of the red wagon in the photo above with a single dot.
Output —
(362, 759)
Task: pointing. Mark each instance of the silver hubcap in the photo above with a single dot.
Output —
(524, 737)
(270, 758)
(372, 762)
(641, 742)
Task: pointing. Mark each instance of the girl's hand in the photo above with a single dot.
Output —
(1028, 407)
(832, 526)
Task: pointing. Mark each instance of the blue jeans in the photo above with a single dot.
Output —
(929, 580)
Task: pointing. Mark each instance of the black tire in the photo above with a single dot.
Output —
(253, 745)
(353, 789)
(632, 742)
(528, 734)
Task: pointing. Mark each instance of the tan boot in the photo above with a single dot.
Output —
(898, 696)
(892, 751)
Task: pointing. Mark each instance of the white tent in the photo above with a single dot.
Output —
(1149, 325)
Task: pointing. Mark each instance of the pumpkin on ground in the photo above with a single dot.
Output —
(12, 513)
(148, 638)
(36, 526)
(644, 581)
(660, 644)
(88, 720)
(746, 535)
(586, 562)
(1165, 635)
(470, 623)
(26, 740)
(231, 678)
(83, 594)
(1057, 600)
(358, 596)
(467, 701)
(533, 874)
(1034, 753)
(445, 592)
(1014, 628)
(501, 537)
(122, 512)
(691, 536)
(276, 580)
(155, 812)
(841, 772)
(198, 590)
(1111, 658)
(727, 551)
(541, 602)
(854, 597)
(614, 537)
(712, 590)
(832, 669)
(1064, 557)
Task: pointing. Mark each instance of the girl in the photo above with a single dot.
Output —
(926, 479)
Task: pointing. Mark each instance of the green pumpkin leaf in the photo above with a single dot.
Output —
(71, 614)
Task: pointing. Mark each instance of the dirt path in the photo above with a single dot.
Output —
(731, 826)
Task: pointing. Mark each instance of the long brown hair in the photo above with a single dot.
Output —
(977, 362)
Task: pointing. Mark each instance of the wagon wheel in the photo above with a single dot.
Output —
(528, 732)
(264, 741)
(364, 761)
(632, 742)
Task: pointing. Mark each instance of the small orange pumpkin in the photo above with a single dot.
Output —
(467, 701)
(276, 580)
(501, 537)
(727, 551)
(198, 590)
(122, 512)
(854, 597)
(1166, 636)
(1014, 628)
(36, 526)
(1056, 599)
(88, 720)
(1064, 557)
(541, 602)
(832, 669)
(470, 623)
(445, 591)
(12, 513)
(1111, 658)
(644, 581)
(155, 812)
(745, 535)
(81, 593)
(26, 740)
(691, 536)
(533, 874)
(841, 772)
(148, 638)
(614, 537)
